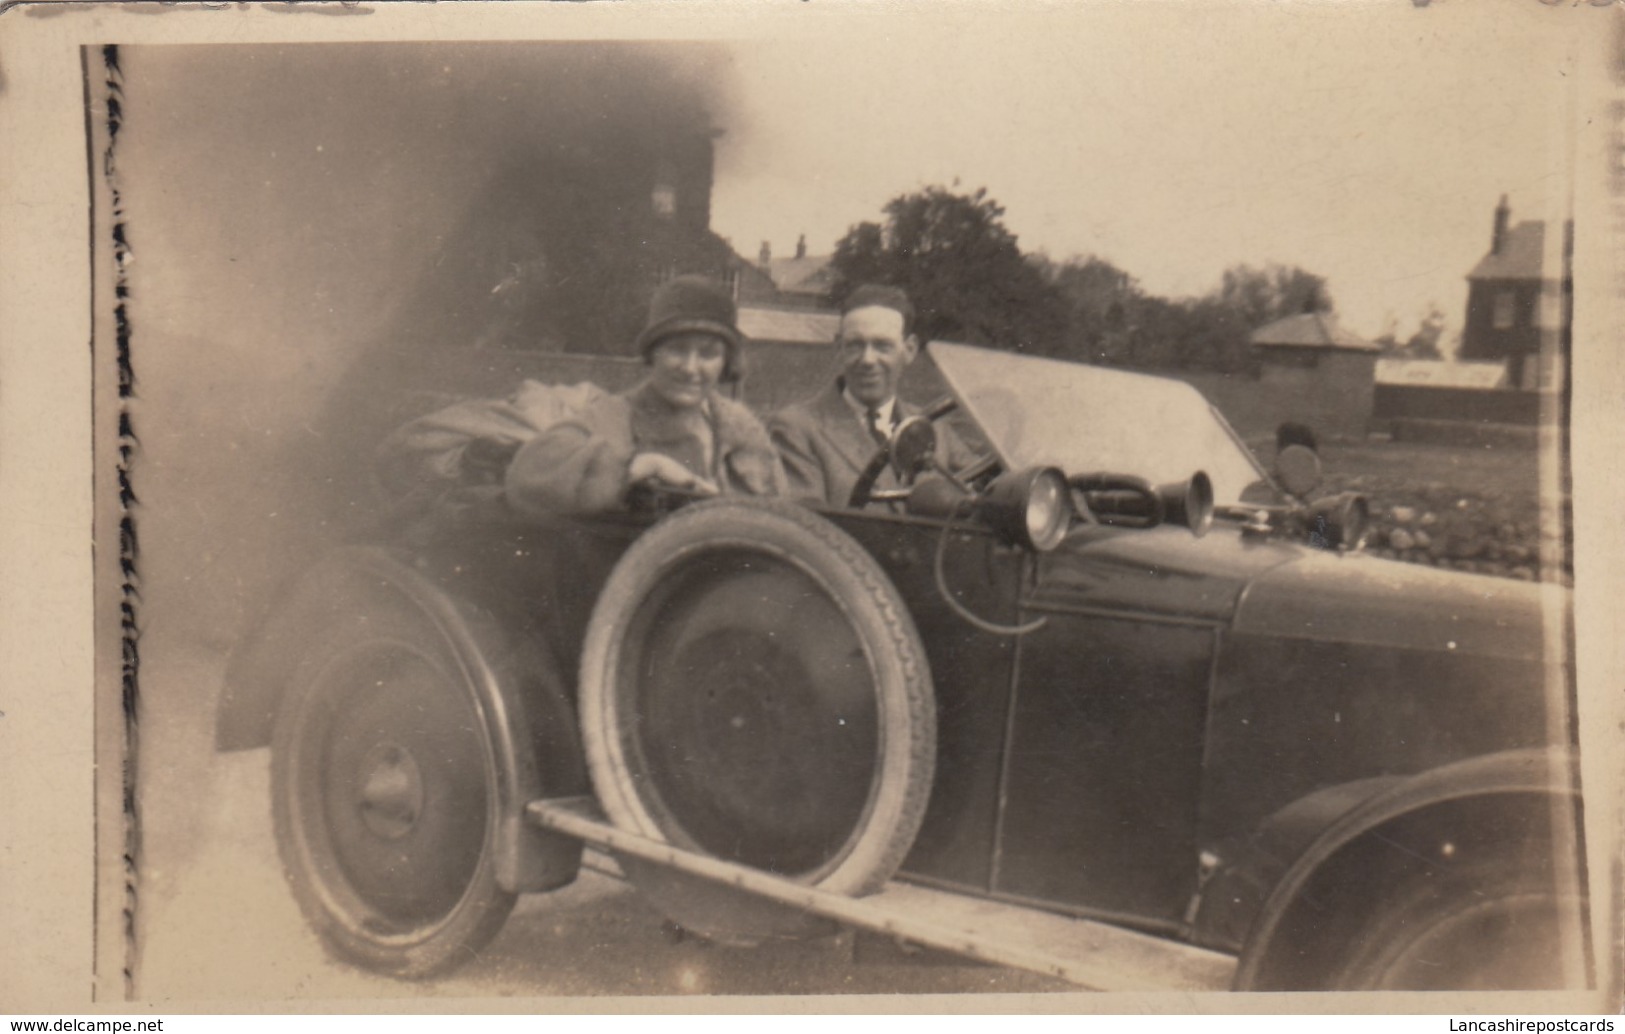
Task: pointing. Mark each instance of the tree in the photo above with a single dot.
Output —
(961, 267)
(1102, 305)
(1218, 333)
(1424, 344)
(1260, 296)
(1388, 340)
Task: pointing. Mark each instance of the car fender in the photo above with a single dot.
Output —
(1307, 837)
(1244, 870)
(522, 698)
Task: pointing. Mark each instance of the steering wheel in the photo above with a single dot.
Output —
(911, 451)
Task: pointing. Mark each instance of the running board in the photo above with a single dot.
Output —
(1088, 953)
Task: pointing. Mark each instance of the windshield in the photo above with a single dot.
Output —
(1088, 419)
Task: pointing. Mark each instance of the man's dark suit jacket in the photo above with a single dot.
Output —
(825, 446)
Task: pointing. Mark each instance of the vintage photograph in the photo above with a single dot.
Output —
(908, 502)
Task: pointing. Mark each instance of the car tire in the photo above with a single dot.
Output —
(384, 795)
(1493, 925)
(744, 660)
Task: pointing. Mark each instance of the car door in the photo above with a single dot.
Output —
(1103, 768)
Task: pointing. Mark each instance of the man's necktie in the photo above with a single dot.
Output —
(877, 429)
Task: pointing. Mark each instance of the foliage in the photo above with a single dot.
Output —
(970, 282)
(961, 267)
(1260, 296)
(1424, 344)
(1111, 320)
(1102, 304)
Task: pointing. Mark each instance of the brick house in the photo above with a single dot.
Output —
(1511, 301)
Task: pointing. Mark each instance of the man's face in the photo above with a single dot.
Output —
(874, 352)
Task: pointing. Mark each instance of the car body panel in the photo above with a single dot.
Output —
(1339, 668)
(1355, 598)
(1291, 716)
(1159, 574)
(1103, 775)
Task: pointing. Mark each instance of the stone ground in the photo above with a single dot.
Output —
(1471, 508)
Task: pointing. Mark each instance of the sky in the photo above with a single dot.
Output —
(1366, 143)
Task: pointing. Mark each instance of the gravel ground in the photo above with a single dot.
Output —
(1468, 508)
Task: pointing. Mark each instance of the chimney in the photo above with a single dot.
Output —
(1502, 212)
(801, 246)
(765, 256)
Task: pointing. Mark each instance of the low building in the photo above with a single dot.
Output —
(789, 354)
(1313, 371)
(1428, 398)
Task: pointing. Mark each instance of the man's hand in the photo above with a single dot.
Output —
(657, 467)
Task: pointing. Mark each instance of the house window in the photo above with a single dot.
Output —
(1501, 315)
(664, 200)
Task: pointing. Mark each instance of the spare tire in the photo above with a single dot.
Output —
(753, 688)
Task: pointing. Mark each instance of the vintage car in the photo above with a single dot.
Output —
(1113, 704)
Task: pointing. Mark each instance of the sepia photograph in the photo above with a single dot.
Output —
(1004, 505)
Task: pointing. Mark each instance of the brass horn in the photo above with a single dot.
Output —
(1188, 503)
(1127, 501)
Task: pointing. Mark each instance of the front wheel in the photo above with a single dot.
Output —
(383, 792)
(1491, 926)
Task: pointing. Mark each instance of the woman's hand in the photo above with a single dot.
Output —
(658, 467)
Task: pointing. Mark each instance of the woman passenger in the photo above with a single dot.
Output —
(673, 429)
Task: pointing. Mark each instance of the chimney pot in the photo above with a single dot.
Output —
(766, 254)
(801, 246)
(1502, 214)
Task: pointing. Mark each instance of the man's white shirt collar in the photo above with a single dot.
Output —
(886, 409)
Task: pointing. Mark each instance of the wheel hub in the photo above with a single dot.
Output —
(391, 791)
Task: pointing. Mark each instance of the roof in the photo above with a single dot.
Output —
(1310, 330)
(1434, 373)
(793, 325)
(809, 274)
(1520, 257)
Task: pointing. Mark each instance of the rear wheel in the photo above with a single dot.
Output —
(753, 689)
(383, 792)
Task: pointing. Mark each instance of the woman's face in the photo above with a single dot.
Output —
(687, 367)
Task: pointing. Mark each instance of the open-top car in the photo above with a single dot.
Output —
(1112, 704)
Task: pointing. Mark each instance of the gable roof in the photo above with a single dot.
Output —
(809, 274)
(1519, 258)
(1309, 330)
(796, 326)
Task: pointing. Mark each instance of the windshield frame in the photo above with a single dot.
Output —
(1061, 382)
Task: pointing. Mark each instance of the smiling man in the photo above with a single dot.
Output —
(825, 441)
